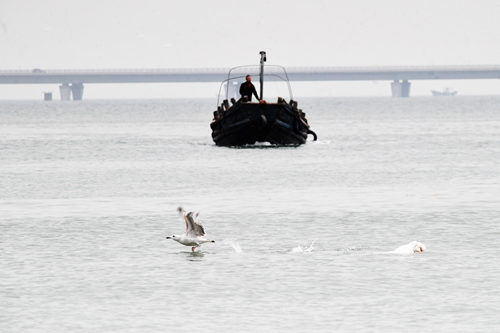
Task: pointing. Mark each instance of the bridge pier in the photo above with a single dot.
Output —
(400, 89)
(65, 91)
(77, 90)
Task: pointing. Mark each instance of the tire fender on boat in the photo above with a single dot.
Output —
(313, 134)
(296, 127)
(263, 120)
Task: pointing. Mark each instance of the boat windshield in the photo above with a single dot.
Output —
(276, 83)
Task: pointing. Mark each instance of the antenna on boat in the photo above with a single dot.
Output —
(262, 61)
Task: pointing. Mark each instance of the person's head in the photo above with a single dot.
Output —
(248, 78)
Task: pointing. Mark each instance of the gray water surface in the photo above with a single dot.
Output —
(89, 190)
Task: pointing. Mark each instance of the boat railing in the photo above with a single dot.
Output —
(241, 77)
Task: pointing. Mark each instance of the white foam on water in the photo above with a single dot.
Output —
(301, 249)
(233, 244)
(258, 143)
(322, 142)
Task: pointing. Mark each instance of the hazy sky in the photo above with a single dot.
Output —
(90, 34)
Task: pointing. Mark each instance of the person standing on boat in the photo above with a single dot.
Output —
(247, 89)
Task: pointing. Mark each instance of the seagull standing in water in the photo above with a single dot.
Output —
(195, 232)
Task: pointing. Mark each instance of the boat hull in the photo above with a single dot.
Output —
(247, 123)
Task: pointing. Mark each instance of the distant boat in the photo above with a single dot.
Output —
(445, 92)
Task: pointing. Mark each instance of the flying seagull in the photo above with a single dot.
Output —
(195, 232)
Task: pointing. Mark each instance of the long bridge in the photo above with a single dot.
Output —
(72, 81)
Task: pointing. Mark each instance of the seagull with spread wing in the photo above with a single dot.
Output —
(195, 232)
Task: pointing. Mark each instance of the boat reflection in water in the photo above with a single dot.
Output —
(245, 122)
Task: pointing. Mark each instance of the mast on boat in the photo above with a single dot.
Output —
(262, 61)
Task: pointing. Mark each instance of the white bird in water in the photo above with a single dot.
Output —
(195, 232)
(411, 248)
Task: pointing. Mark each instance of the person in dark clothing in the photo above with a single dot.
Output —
(248, 89)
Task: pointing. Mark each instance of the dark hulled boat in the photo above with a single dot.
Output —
(244, 122)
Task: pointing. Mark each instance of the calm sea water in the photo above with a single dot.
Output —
(89, 190)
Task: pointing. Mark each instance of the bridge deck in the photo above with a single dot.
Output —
(39, 76)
